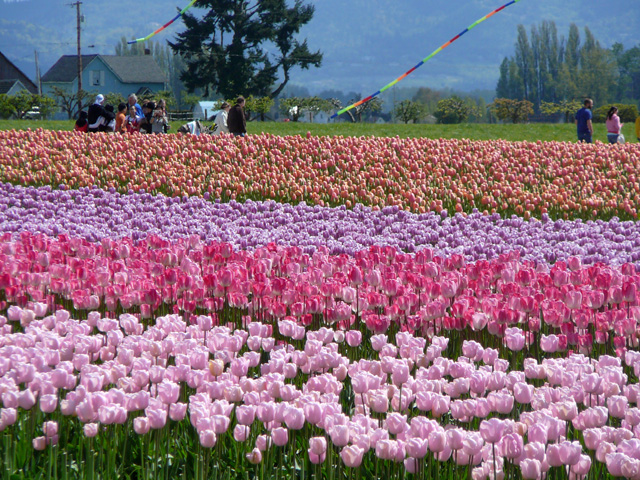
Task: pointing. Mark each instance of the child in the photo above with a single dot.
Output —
(81, 124)
(120, 118)
(131, 121)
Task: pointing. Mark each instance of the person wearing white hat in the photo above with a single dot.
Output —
(96, 114)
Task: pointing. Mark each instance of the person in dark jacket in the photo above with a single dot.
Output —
(145, 122)
(236, 121)
(95, 114)
(81, 124)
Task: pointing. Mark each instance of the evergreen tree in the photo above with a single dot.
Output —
(525, 62)
(227, 49)
(502, 90)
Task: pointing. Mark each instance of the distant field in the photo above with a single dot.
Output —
(473, 131)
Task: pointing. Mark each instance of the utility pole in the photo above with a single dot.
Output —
(38, 83)
(78, 20)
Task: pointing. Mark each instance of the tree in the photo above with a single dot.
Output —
(524, 60)
(261, 106)
(295, 107)
(189, 100)
(114, 99)
(292, 107)
(227, 49)
(566, 107)
(428, 97)
(167, 96)
(46, 105)
(502, 89)
(410, 111)
(517, 111)
(72, 103)
(355, 114)
(452, 110)
(22, 102)
(6, 106)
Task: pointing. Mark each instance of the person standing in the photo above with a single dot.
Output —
(120, 118)
(221, 120)
(236, 121)
(133, 102)
(584, 123)
(613, 125)
(95, 114)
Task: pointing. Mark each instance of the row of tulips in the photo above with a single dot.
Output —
(215, 397)
(93, 214)
(528, 179)
(520, 304)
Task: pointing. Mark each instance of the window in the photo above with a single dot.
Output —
(96, 78)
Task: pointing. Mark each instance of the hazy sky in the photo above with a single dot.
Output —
(366, 43)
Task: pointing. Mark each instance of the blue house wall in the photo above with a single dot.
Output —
(97, 77)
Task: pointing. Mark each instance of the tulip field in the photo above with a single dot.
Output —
(317, 308)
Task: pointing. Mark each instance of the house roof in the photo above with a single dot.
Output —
(65, 70)
(135, 69)
(7, 85)
(128, 69)
(8, 71)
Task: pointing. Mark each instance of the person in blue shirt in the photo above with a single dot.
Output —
(583, 121)
(133, 102)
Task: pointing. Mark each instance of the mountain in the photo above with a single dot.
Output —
(366, 43)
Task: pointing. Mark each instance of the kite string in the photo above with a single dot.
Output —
(423, 61)
(144, 39)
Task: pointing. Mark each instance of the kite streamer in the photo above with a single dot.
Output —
(433, 54)
(144, 39)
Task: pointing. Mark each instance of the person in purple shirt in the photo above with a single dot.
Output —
(583, 121)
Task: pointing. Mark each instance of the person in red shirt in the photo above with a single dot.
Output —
(132, 121)
(82, 125)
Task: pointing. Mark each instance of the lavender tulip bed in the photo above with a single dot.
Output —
(94, 214)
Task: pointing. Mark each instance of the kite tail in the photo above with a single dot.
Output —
(144, 39)
(424, 60)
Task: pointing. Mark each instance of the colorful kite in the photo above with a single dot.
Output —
(144, 39)
(364, 100)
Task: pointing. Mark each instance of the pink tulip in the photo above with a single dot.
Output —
(583, 466)
(254, 456)
(511, 446)
(437, 441)
(90, 429)
(617, 406)
(39, 443)
(48, 403)
(417, 447)
(396, 423)
(491, 430)
(530, 469)
(157, 418)
(207, 438)
(339, 435)
(141, 425)
(352, 456)
(241, 433)
(353, 338)
(318, 445)
(280, 436)
(294, 418)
